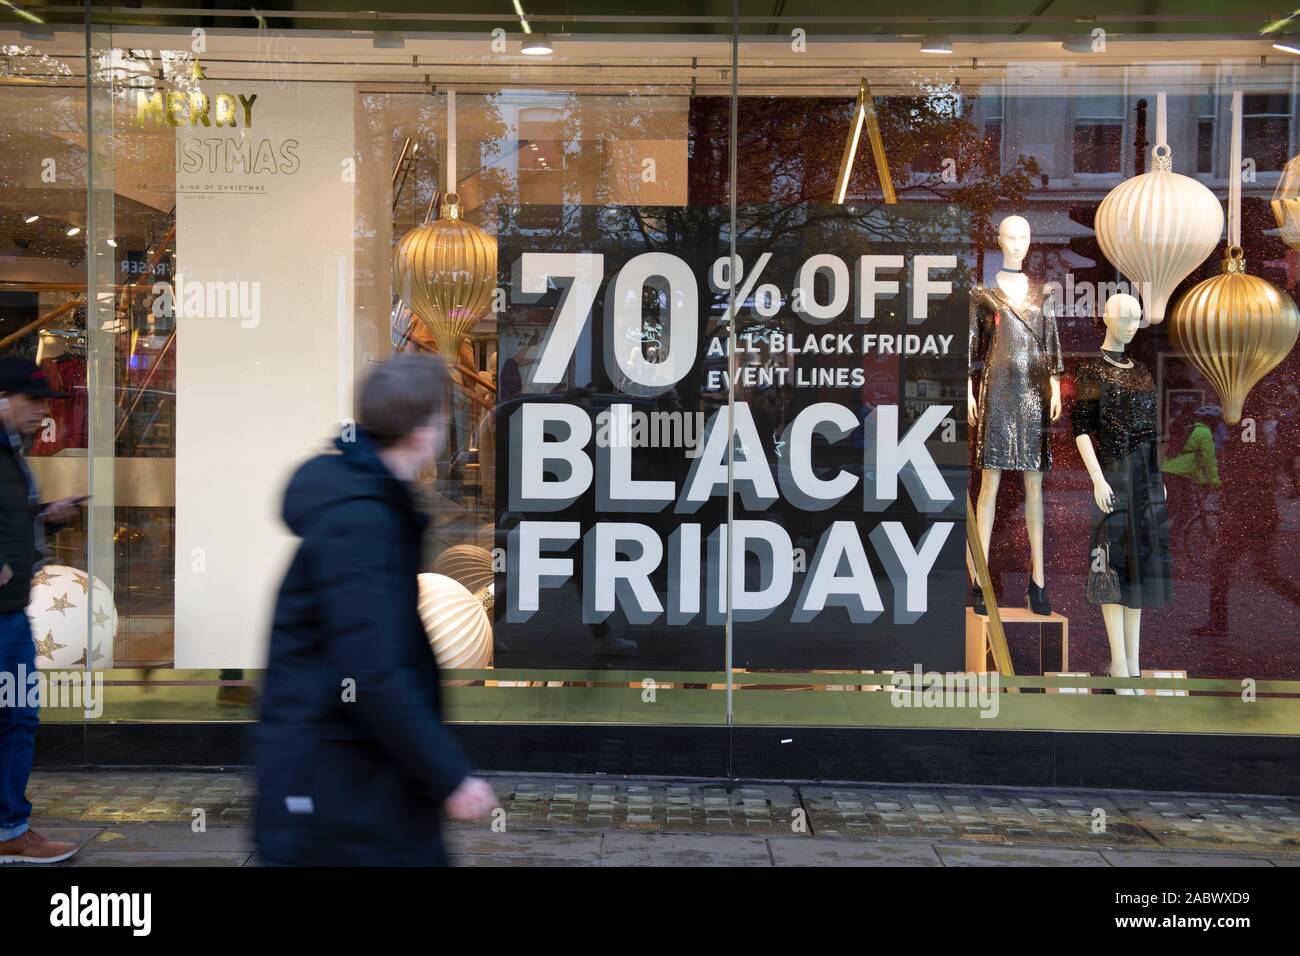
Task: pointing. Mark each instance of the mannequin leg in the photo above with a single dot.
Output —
(1034, 525)
(1112, 616)
(1132, 630)
(990, 479)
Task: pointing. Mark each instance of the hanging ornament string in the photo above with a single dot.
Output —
(1234, 181)
(1162, 129)
(451, 141)
(1162, 157)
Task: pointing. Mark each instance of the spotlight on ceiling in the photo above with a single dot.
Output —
(30, 219)
(388, 40)
(74, 230)
(1287, 43)
(112, 242)
(936, 45)
(536, 44)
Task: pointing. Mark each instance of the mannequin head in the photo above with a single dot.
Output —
(1123, 317)
(1013, 239)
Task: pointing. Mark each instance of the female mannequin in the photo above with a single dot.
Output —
(1114, 419)
(1015, 348)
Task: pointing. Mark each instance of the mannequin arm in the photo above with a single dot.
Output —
(1056, 397)
(1101, 490)
(972, 406)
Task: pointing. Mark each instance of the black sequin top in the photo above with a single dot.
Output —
(1115, 407)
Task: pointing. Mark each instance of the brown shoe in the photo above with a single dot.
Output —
(31, 847)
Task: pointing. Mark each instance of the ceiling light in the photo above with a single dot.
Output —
(388, 40)
(536, 44)
(936, 45)
(532, 145)
(1288, 43)
(74, 230)
(112, 242)
(31, 219)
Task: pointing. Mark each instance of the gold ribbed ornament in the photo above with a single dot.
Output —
(1235, 328)
(446, 271)
(1286, 204)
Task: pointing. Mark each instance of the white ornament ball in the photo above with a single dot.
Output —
(459, 628)
(467, 563)
(1157, 228)
(60, 600)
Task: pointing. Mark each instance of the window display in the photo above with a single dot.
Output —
(703, 297)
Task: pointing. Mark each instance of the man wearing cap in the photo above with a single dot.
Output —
(23, 407)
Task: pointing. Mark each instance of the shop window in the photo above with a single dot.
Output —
(992, 111)
(1098, 134)
(1206, 116)
(1266, 130)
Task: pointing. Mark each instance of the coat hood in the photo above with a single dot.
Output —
(355, 472)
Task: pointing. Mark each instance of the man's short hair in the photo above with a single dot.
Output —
(400, 394)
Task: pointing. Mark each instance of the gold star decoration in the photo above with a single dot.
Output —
(101, 616)
(83, 581)
(197, 72)
(48, 646)
(41, 577)
(60, 604)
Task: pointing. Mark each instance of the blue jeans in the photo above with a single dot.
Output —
(17, 724)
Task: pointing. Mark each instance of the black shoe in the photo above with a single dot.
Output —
(977, 596)
(1038, 602)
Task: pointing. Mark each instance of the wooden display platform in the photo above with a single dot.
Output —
(979, 658)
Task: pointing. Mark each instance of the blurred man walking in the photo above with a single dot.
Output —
(23, 409)
(354, 763)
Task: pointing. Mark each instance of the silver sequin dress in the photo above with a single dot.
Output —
(1015, 351)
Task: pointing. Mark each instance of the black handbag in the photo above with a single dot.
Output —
(1103, 582)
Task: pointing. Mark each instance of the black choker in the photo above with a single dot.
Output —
(1016, 271)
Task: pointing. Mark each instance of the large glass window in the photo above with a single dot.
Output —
(730, 273)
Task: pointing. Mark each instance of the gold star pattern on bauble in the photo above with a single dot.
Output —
(47, 647)
(61, 604)
(40, 577)
(81, 661)
(101, 615)
(83, 581)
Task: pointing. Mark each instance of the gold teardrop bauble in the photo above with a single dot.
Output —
(1286, 203)
(1235, 328)
(1157, 228)
(446, 271)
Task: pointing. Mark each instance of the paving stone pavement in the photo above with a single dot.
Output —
(200, 818)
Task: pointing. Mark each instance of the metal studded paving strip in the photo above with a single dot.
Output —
(587, 804)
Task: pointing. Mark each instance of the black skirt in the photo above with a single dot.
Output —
(1138, 529)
